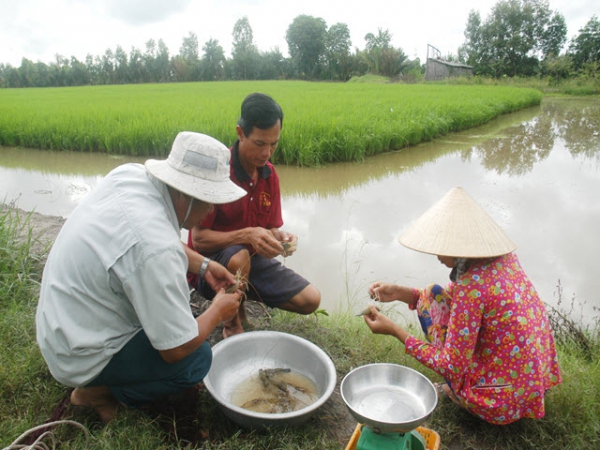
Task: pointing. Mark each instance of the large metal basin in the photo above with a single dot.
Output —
(388, 397)
(239, 357)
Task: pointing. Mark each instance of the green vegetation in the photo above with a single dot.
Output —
(323, 123)
(22, 380)
(583, 85)
(370, 78)
(28, 394)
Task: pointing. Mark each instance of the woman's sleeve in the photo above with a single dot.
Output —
(452, 361)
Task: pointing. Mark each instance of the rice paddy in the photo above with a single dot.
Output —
(323, 123)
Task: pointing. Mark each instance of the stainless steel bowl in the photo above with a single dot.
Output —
(237, 358)
(389, 397)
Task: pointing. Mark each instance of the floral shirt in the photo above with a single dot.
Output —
(499, 354)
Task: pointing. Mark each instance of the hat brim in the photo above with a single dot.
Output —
(457, 226)
(216, 192)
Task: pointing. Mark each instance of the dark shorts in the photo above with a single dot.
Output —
(270, 282)
(137, 374)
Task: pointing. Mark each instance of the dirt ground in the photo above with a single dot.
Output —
(45, 228)
(334, 416)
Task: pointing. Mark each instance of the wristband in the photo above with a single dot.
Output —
(203, 267)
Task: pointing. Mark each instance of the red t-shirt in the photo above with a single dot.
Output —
(261, 207)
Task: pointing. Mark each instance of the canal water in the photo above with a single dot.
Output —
(536, 172)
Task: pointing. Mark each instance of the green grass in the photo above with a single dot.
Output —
(324, 122)
(28, 393)
(21, 366)
(577, 86)
(370, 78)
(17, 275)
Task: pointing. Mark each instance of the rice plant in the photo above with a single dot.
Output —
(324, 122)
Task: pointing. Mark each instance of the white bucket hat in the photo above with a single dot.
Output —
(198, 165)
(457, 226)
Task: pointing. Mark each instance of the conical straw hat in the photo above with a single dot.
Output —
(457, 226)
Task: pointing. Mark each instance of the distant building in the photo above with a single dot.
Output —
(440, 69)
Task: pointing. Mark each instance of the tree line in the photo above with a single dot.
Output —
(525, 38)
(519, 38)
(317, 52)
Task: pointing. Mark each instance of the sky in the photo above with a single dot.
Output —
(40, 29)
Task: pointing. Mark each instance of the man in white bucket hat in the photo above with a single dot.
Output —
(113, 319)
(488, 334)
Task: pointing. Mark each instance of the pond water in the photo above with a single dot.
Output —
(536, 172)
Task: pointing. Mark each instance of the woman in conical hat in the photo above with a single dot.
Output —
(487, 331)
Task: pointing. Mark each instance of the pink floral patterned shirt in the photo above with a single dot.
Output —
(499, 354)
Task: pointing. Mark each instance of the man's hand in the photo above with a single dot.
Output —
(288, 241)
(264, 242)
(218, 277)
(226, 304)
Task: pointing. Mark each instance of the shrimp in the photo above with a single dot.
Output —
(288, 247)
(367, 310)
(240, 283)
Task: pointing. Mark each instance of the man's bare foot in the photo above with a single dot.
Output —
(97, 397)
(233, 327)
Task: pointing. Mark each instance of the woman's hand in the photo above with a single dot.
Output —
(384, 292)
(381, 324)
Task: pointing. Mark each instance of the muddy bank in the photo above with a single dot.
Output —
(44, 229)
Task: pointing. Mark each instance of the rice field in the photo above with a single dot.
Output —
(323, 123)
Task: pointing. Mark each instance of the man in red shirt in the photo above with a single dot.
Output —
(245, 236)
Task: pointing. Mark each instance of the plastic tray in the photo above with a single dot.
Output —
(432, 438)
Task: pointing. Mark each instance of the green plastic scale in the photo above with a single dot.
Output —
(372, 440)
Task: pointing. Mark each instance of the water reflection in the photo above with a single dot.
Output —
(51, 182)
(516, 153)
(335, 180)
(535, 171)
(62, 163)
(579, 127)
(532, 142)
